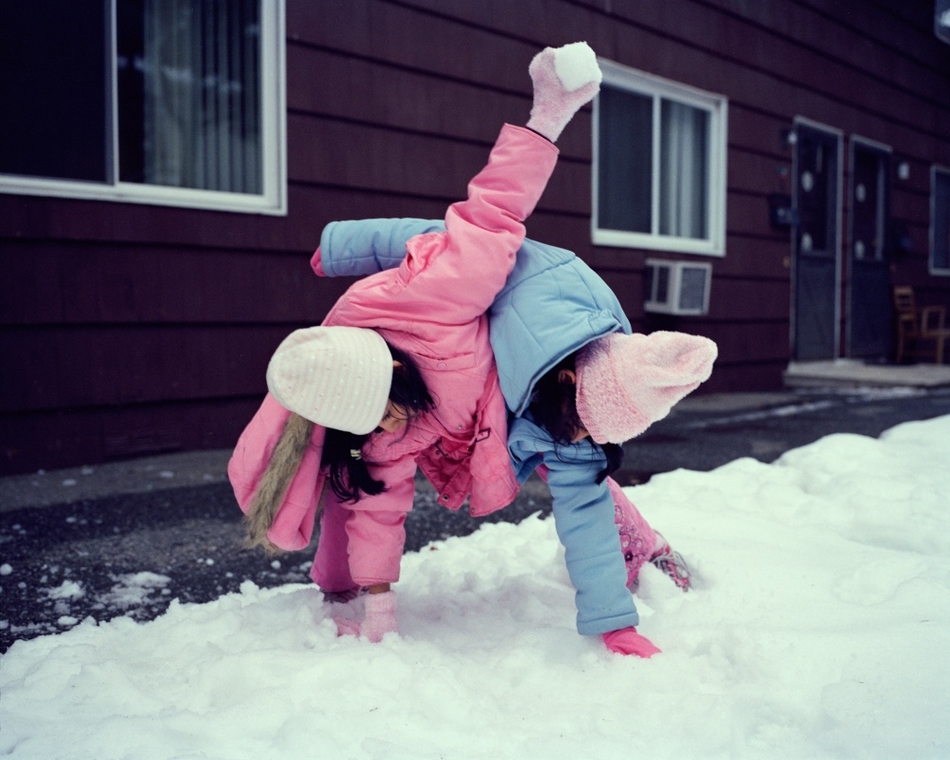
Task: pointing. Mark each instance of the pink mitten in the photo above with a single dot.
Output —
(316, 263)
(628, 641)
(379, 618)
(564, 79)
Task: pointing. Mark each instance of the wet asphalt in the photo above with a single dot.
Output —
(170, 529)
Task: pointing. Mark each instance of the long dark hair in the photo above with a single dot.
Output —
(349, 475)
(554, 407)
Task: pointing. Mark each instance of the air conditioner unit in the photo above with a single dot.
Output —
(677, 287)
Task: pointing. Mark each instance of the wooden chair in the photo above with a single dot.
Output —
(919, 326)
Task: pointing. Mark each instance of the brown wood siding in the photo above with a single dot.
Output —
(127, 328)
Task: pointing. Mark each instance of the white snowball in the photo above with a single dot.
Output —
(576, 65)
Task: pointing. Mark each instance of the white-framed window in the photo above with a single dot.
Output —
(659, 166)
(940, 221)
(169, 102)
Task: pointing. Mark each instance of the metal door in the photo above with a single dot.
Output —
(816, 244)
(869, 291)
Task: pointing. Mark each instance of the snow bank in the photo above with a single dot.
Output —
(819, 627)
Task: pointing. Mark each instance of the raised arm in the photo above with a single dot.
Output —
(452, 276)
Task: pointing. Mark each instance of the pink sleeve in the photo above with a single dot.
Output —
(476, 253)
(452, 277)
(375, 525)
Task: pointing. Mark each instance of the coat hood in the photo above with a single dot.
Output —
(552, 305)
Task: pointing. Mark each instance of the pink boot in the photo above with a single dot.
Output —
(670, 562)
(564, 80)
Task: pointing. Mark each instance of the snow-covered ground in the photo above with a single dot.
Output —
(819, 628)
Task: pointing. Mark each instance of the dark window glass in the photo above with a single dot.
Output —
(188, 89)
(625, 165)
(53, 85)
(817, 192)
(941, 242)
(188, 73)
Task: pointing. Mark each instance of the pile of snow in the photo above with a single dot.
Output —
(819, 627)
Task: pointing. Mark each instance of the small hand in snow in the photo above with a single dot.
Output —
(628, 641)
(380, 618)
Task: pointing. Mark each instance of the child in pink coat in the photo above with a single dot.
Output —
(401, 375)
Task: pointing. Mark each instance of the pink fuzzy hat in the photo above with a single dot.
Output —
(625, 383)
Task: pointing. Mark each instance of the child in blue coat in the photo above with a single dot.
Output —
(578, 384)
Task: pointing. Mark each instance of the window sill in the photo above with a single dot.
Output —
(619, 239)
(272, 203)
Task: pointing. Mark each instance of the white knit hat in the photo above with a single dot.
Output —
(338, 377)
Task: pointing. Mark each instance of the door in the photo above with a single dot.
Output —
(869, 291)
(815, 244)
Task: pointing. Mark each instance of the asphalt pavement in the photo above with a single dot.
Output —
(128, 538)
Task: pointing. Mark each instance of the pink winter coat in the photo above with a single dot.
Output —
(433, 307)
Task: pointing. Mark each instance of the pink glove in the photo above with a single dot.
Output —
(316, 263)
(564, 80)
(380, 618)
(628, 641)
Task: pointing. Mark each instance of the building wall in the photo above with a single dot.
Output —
(131, 329)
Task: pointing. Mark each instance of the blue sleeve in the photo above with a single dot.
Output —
(584, 519)
(526, 455)
(360, 247)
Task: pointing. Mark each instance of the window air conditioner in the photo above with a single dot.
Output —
(677, 287)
